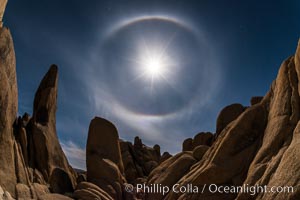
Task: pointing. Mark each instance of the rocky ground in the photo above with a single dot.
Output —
(252, 145)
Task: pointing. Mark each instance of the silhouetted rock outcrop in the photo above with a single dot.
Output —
(139, 160)
(47, 155)
(103, 157)
(199, 139)
(227, 115)
(165, 156)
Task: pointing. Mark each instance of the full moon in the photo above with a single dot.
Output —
(153, 66)
(154, 62)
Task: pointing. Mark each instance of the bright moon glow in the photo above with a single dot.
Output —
(154, 66)
(154, 62)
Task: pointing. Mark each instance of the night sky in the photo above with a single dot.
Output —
(210, 53)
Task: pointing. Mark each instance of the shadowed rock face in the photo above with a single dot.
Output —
(139, 160)
(199, 139)
(86, 190)
(103, 157)
(47, 155)
(227, 115)
(256, 100)
(170, 171)
(276, 163)
(8, 110)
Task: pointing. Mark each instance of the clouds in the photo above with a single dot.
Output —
(75, 154)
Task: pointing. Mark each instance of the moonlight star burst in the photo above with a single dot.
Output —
(153, 62)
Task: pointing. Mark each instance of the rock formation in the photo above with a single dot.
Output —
(103, 157)
(199, 151)
(8, 111)
(256, 100)
(165, 156)
(86, 190)
(31, 156)
(199, 139)
(48, 156)
(275, 162)
(2, 9)
(256, 145)
(227, 115)
(139, 160)
(170, 171)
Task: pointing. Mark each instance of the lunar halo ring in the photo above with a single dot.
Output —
(164, 18)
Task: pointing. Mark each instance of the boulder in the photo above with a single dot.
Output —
(187, 144)
(169, 172)
(165, 156)
(202, 139)
(23, 191)
(103, 152)
(86, 190)
(60, 181)
(38, 190)
(103, 142)
(157, 149)
(199, 151)
(227, 115)
(108, 178)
